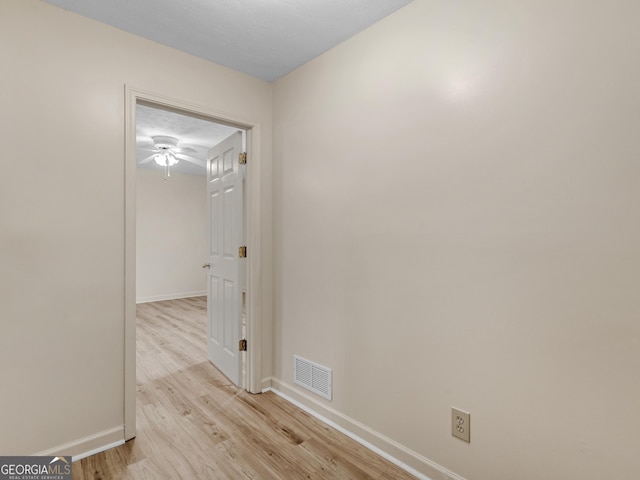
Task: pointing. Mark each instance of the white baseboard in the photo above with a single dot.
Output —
(88, 446)
(266, 384)
(410, 461)
(170, 296)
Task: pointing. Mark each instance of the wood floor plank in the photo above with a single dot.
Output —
(193, 424)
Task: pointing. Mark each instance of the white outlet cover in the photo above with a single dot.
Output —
(461, 424)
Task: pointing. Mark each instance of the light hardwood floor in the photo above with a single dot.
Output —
(192, 423)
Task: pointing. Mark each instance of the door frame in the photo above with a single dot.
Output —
(133, 96)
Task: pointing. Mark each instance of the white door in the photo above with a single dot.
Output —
(224, 305)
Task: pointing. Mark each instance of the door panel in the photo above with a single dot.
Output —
(212, 305)
(230, 342)
(224, 189)
(214, 245)
(230, 248)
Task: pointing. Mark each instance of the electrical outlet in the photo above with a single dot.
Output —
(460, 424)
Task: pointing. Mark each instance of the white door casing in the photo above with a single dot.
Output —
(224, 305)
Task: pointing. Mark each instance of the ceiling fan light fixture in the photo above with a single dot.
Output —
(163, 141)
(165, 159)
(166, 153)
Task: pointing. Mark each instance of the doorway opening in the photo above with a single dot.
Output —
(177, 225)
(145, 111)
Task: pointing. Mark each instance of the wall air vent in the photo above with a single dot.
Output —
(312, 376)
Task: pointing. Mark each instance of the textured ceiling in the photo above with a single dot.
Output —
(263, 38)
(191, 132)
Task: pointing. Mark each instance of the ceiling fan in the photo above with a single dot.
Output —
(166, 153)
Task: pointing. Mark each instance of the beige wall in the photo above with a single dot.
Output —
(171, 235)
(456, 223)
(62, 212)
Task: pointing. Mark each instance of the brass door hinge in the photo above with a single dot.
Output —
(242, 345)
(242, 158)
(242, 252)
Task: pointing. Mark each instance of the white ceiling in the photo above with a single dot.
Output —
(191, 132)
(263, 38)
